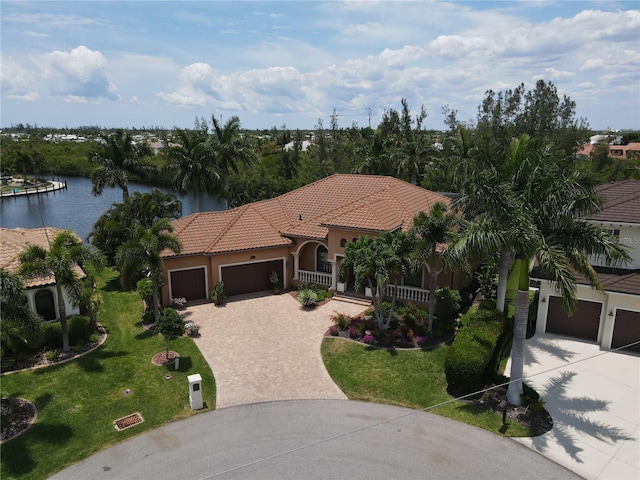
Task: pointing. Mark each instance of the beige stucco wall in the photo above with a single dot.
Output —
(611, 302)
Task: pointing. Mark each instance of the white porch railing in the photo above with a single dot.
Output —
(411, 294)
(319, 278)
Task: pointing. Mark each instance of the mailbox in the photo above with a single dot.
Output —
(195, 391)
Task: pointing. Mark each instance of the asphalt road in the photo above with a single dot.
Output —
(317, 439)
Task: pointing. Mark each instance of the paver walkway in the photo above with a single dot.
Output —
(267, 348)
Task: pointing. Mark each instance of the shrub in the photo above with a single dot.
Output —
(148, 317)
(470, 354)
(487, 304)
(341, 320)
(217, 294)
(51, 336)
(307, 297)
(369, 339)
(354, 332)
(79, 329)
(447, 304)
(51, 355)
(145, 290)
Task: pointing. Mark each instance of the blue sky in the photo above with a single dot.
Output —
(164, 63)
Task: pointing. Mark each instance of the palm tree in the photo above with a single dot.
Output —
(19, 324)
(433, 230)
(143, 254)
(230, 148)
(193, 164)
(118, 157)
(65, 253)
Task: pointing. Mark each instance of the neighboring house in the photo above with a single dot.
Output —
(41, 292)
(615, 151)
(301, 235)
(610, 317)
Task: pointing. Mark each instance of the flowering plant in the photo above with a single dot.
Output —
(369, 339)
(179, 302)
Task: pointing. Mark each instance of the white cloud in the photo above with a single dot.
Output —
(17, 81)
(78, 74)
(555, 74)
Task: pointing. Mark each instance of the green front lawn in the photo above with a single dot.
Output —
(407, 378)
(77, 402)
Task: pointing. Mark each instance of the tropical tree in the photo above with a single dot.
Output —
(433, 231)
(66, 254)
(169, 324)
(545, 204)
(193, 164)
(142, 255)
(377, 260)
(117, 224)
(119, 157)
(19, 324)
(230, 148)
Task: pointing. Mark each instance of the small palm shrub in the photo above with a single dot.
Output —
(341, 320)
(307, 297)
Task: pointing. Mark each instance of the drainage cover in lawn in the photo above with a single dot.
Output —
(128, 421)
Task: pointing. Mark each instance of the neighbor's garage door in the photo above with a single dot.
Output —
(250, 277)
(582, 324)
(189, 284)
(626, 329)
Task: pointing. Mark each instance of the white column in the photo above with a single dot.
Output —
(334, 274)
(296, 264)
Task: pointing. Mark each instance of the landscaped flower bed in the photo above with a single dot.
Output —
(407, 329)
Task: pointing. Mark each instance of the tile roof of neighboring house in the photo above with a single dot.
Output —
(621, 202)
(354, 202)
(13, 242)
(612, 279)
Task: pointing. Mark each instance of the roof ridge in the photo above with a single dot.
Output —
(236, 215)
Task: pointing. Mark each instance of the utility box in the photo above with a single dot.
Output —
(195, 391)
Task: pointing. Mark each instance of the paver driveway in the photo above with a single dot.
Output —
(594, 399)
(264, 348)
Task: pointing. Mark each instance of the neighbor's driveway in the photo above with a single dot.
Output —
(263, 348)
(595, 405)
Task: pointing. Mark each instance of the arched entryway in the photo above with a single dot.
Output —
(45, 304)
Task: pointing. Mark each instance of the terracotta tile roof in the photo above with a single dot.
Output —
(13, 241)
(621, 202)
(613, 279)
(358, 202)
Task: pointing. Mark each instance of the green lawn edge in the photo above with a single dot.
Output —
(78, 401)
(407, 378)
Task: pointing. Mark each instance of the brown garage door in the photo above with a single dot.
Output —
(582, 324)
(189, 284)
(626, 329)
(250, 277)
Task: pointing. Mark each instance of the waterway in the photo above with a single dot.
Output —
(76, 208)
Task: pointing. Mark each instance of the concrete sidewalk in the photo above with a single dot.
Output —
(264, 348)
(594, 399)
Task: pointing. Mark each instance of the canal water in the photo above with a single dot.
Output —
(76, 208)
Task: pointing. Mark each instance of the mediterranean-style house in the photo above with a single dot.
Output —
(301, 235)
(610, 317)
(41, 292)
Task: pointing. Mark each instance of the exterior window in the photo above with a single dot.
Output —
(343, 242)
(45, 306)
(322, 259)
(414, 279)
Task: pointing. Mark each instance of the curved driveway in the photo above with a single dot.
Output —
(267, 347)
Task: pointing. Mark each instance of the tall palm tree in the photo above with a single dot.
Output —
(19, 324)
(65, 253)
(118, 157)
(193, 164)
(436, 228)
(230, 148)
(143, 253)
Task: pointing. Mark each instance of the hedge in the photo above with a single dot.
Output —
(472, 350)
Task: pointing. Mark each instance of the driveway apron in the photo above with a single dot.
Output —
(264, 348)
(594, 399)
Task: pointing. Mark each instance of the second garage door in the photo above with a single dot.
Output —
(583, 323)
(250, 277)
(626, 330)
